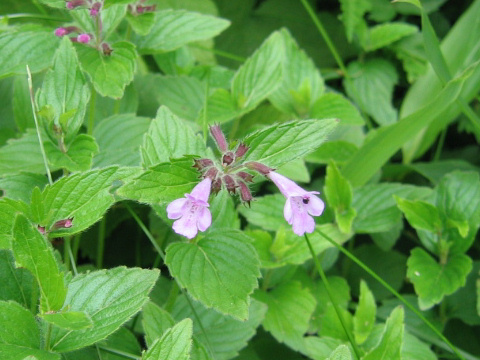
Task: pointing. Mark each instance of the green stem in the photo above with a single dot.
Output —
(332, 299)
(32, 101)
(392, 291)
(91, 114)
(439, 148)
(101, 242)
(119, 352)
(70, 254)
(205, 108)
(48, 336)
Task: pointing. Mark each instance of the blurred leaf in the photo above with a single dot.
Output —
(20, 186)
(71, 320)
(411, 52)
(338, 151)
(352, 15)
(220, 270)
(110, 19)
(174, 344)
(142, 24)
(341, 353)
(364, 318)
(78, 156)
(433, 280)
(436, 170)
(333, 105)
(124, 291)
(33, 252)
(371, 85)
(295, 170)
(265, 212)
(383, 35)
(22, 108)
(169, 137)
(175, 28)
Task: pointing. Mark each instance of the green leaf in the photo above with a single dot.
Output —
(14, 352)
(175, 28)
(70, 320)
(352, 15)
(338, 151)
(368, 160)
(20, 186)
(65, 90)
(224, 334)
(223, 212)
(33, 252)
(119, 139)
(371, 85)
(383, 35)
(22, 108)
(109, 297)
(364, 318)
(341, 353)
(411, 52)
(295, 170)
(280, 143)
(83, 197)
(339, 195)
(17, 284)
(260, 75)
(265, 212)
(155, 321)
(162, 183)
(78, 156)
(302, 83)
(433, 280)
(289, 310)
(32, 45)
(8, 212)
(169, 137)
(221, 107)
(220, 270)
(142, 24)
(390, 345)
(174, 344)
(109, 73)
(333, 105)
(420, 214)
(110, 18)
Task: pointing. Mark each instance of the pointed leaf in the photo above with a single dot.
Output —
(174, 344)
(220, 270)
(420, 214)
(364, 318)
(109, 297)
(33, 252)
(385, 34)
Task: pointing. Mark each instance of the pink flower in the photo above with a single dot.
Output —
(192, 211)
(84, 38)
(61, 32)
(301, 205)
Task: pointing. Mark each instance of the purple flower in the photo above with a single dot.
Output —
(84, 38)
(301, 205)
(61, 32)
(192, 211)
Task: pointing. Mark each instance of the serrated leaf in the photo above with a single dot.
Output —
(65, 89)
(175, 28)
(341, 353)
(169, 137)
(281, 143)
(109, 73)
(371, 85)
(83, 197)
(30, 45)
(78, 156)
(364, 318)
(289, 310)
(390, 345)
(162, 183)
(352, 15)
(33, 252)
(20, 186)
(174, 344)
(70, 320)
(265, 212)
(333, 105)
(220, 270)
(420, 214)
(302, 83)
(123, 293)
(17, 284)
(224, 334)
(432, 280)
(385, 34)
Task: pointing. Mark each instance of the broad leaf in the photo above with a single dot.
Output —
(266, 212)
(371, 86)
(33, 252)
(78, 156)
(333, 105)
(433, 280)
(174, 344)
(175, 28)
(364, 318)
(223, 212)
(70, 320)
(169, 137)
(109, 73)
(337, 151)
(220, 270)
(385, 34)
(141, 23)
(65, 90)
(109, 297)
(20, 186)
(162, 183)
(289, 310)
(281, 143)
(421, 215)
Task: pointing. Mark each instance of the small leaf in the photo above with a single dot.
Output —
(420, 214)
(280, 143)
(155, 321)
(333, 105)
(385, 34)
(432, 280)
(352, 15)
(175, 28)
(169, 137)
(174, 344)
(123, 293)
(33, 252)
(78, 156)
(220, 270)
(364, 318)
(109, 73)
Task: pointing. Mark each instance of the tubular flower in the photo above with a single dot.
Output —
(301, 205)
(192, 211)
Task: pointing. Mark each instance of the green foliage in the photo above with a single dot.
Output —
(174, 344)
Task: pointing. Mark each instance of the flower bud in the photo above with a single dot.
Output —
(61, 224)
(241, 150)
(84, 38)
(211, 173)
(41, 229)
(229, 183)
(245, 193)
(201, 164)
(228, 158)
(216, 185)
(245, 176)
(219, 137)
(74, 3)
(95, 9)
(107, 50)
(60, 32)
(258, 167)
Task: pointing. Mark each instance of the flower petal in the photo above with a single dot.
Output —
(303, 223)
(204, 219)
(286, 186)
(176, 208)
(186, 227)
(202, 190)
(315, 205)
(287, 211)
